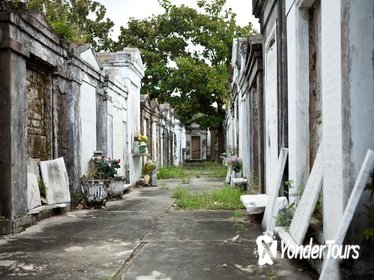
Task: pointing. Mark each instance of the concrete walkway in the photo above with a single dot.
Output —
(142, 237)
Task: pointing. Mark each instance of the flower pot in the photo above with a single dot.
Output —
(146, 178)
(95, 192)
(154, 182)
(142, 149)
(238, 174)
(115, 188)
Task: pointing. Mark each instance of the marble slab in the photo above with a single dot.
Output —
(270, 210)
(330, 269)
(56, 180)
(33, 194)
(305, 208)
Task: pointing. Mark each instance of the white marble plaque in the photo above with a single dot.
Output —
(33, 194)
(330, 269)
(271, 209)
(56, 180)
(308, 201)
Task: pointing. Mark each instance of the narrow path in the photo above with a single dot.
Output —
(141, 237)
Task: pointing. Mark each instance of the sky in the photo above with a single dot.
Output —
(119, 11)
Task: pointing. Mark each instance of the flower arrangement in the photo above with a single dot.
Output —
(235, 163)
(103, 168)
(107, 167)
(142, 138)
(149, 167)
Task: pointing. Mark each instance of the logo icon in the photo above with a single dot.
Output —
(267, 249)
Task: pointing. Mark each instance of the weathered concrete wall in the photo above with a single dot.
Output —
(13, 108)
(56, 102)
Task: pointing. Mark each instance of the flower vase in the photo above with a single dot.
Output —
(142, 148)
(238, 174)
(154, 182)
(147, 178)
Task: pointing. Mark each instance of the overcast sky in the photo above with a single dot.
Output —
(119, 11)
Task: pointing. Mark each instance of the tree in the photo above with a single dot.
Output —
(77, 21)
(187, 53)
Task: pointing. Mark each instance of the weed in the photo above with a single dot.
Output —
(239, 216)
(171, 172)
(285, 215)
(42, 188)
(226, 199)
(179, 192)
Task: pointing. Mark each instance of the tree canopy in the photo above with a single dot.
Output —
(78, 21)
(187, 53)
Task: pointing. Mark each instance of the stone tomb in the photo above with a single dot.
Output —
(56, 180)
(330, 268)
(272, 207)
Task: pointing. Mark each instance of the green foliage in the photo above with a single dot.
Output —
(206, 169)
(171, 172)
(42, 188)
(77, 21)
(285, 215)
(222, 199)
(199, 45)
(149, 167)
(179, 192)
(107, 168)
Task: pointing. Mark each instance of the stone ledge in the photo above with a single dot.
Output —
(18, 225)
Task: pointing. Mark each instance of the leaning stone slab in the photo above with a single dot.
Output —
(271, 208)
(56, 180)
(33, 194)
(330, 269)
(303, 214)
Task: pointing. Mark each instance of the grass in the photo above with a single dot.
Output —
(171, 172)
(226, 198)
(205, 169)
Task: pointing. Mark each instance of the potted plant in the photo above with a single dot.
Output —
(93, 187)
(143, 143)
(108, 170)
(150, 172)
(101, 180)
(235, 164)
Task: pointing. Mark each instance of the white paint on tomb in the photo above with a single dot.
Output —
(88, 123)
(271, 111)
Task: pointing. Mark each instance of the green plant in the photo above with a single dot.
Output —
(171, 172)
(107, 167)
(42, 188)
(235, 163)
(179, 192)
(149, 167)
(226, 198)
(285, 215)
(239, 216)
